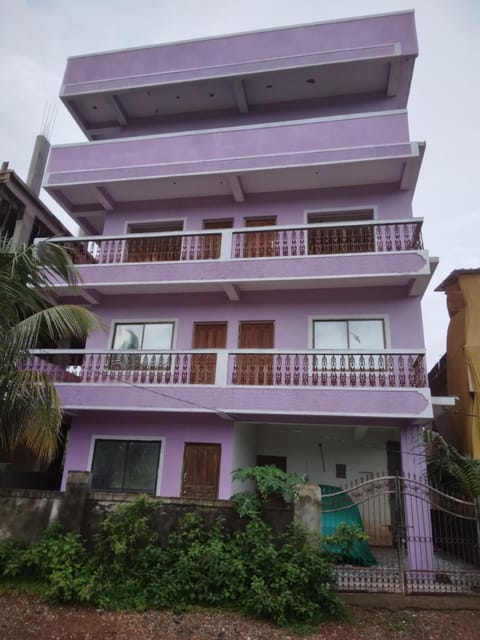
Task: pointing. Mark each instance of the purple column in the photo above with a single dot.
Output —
(416, 502)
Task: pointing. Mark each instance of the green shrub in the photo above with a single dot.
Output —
(285, 578)
(270, 481)
(58, 562)
(12, 559)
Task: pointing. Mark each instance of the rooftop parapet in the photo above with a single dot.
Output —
(240, 73)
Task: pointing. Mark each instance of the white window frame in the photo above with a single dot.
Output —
(346, 317)
(333, 210)
(150, 221)
(116, 321)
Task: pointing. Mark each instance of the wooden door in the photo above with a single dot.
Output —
(255, 368)
(211, 243)
(201, 470)
(211, 335)
(261, 244)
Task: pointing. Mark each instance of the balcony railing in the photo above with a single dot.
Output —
(247, 243)
(267, 367)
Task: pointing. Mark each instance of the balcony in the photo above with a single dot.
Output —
(241, 381)
(323, 255)
(266, 367)
(91, 178)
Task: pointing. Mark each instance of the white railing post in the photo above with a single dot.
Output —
(226, 247)
(221, 371)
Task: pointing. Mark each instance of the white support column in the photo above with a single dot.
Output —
(226, 248)
(221, 372)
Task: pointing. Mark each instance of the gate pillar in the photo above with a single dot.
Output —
(418, 521)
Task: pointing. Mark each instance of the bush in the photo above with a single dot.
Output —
(287, 579)
(270, 481)
(58, 561)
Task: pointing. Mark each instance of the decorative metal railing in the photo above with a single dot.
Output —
(328, 369)
(267, 367)
(257, 242)
(419, 539)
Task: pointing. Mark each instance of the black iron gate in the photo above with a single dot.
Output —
(418, 539)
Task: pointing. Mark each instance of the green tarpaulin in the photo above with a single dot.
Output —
(338, 509)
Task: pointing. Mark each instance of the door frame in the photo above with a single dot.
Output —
(242, 322)
(206, 444)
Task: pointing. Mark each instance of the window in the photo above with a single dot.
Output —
(156, 337)
(341, 471)
(348, 334)
(151, 336)
(341, 238)
(125, 465)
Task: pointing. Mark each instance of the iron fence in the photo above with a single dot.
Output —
(418, 539)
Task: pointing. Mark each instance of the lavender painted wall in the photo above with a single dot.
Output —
(257, 114)
(342, 37)
(289, 207)
(289, 309)
(175, 429)
(265, 146)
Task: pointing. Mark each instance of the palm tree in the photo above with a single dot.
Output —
(447, 463)
(30, 407)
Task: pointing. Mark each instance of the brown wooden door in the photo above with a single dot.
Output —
(211, 243)
(255, 368)
(201, 470)
(261, 244)
(211, 335)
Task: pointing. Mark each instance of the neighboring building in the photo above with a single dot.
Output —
(23, 216)
(253, 256)
(458, 373)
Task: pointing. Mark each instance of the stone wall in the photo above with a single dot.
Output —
(25, 514)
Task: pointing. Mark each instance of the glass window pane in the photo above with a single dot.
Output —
(108, 464)
(158, 336)
(142, 465)
(330, 334)
(128, 336)
(366, 334)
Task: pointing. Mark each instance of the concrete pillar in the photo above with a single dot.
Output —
(38, 163)
(74, 500)
(23, 229)
(308, 507)
(418, 521)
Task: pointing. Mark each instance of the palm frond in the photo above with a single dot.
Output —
(30, 408)
(30, 413)
(450, 462)
(54, 324)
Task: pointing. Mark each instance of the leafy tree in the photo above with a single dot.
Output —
(30, 408)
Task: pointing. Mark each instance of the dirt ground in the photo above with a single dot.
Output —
(24, 617)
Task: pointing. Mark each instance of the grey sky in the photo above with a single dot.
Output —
(37, 36)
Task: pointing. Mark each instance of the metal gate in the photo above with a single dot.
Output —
(418, 539)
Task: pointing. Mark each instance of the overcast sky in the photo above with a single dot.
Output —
(37, 36)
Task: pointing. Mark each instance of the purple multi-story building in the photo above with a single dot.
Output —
(253, 254)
